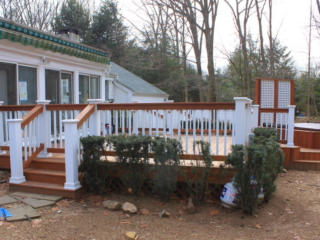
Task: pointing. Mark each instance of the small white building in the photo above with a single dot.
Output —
(123, 86)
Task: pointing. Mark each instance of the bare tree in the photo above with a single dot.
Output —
(201, 16)
(259, 12)
(33, 13)
(271, 42)
(241, 11)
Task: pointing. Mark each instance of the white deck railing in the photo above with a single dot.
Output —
(61, 126)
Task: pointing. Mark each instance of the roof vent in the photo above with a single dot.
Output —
(70, 34)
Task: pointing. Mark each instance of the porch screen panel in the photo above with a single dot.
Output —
(94, 88)
(107, 90)
(52, 86)
(8, 83)
(83, 88)
(66, 88)
(27, 85)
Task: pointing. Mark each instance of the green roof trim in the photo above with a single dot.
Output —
(31, 38)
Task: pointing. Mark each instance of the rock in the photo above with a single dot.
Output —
(129, 208)
(112, 205)
(284, 170)
(164, 213)
(132, 235)
(144, 211)
(191, 208)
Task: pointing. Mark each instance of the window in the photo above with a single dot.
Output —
(27, 85)
(8, 83)
(88, 88)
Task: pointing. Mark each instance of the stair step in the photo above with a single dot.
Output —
(47, 176)
(57, 164)
(47, 188)
(5, 161)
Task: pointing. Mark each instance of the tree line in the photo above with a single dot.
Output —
(169, 48)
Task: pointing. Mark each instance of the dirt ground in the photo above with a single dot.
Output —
(293, 213)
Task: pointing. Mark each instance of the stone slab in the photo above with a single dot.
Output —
(20, 212)
(36, 203)
(7, 200)
(37, 196)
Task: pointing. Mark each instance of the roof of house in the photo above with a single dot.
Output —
(16, 32)
(133, 82)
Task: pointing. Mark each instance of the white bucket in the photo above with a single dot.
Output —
(228, 196)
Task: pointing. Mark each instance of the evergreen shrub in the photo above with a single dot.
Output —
(95, 170)
(256, 167)
(166, 166)
(132, 155)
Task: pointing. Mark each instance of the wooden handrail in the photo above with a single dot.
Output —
(273, 110)
(14, 108)
(33, 156)
(65, 107)
(167, 106)
(31, 115)
(85, 114)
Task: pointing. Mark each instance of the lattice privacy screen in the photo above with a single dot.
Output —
(283, 94)
(267, 94)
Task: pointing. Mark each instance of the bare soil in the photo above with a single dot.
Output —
(293, 213)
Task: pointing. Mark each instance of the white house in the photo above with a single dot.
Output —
(38, 65)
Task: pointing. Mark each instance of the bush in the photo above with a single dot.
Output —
(132, 154)
(198, 183)
(166, 166)
(95, 171)
(256, 166)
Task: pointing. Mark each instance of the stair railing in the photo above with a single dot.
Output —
(25, 145)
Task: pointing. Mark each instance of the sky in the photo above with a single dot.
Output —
(290, 24)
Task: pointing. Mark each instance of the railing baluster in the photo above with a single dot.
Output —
(150, 122)
(186, 117)
(117, 122)
(60, 128)
(225, 133)
(54, 128)
(202, 123)
(217, 131)
(25, 143)
(123, 112)
(194, 127)
(209, 130)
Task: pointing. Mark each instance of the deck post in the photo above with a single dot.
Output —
(135, 124)
(255, 116)
(291, 125)
(16, 163)
(241, 116)
(94, 120)
(71, 148)
(1, 131)
(44, 125)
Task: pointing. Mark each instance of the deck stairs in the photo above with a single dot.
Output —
(44, 176)
(307, 160)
